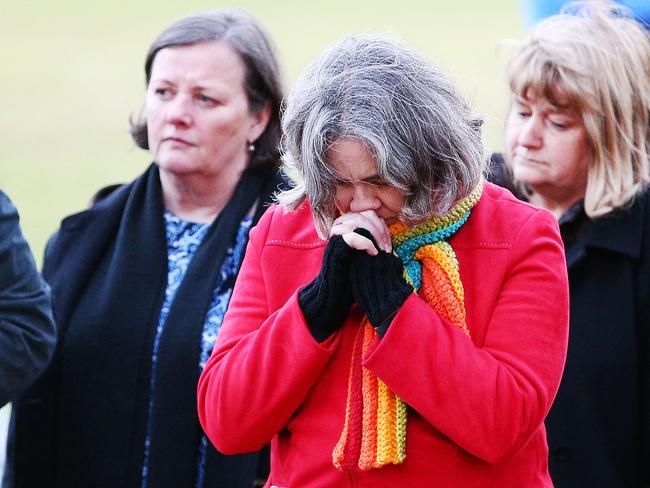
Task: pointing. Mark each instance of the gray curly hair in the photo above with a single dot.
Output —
(406, 113)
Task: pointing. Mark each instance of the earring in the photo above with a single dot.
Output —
(251, 148)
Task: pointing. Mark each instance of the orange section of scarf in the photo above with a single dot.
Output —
(374, 430)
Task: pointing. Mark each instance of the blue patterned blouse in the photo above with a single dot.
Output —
(183, 240)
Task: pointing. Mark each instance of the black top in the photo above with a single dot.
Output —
(599, 426)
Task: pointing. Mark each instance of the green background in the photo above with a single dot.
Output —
(72, 74)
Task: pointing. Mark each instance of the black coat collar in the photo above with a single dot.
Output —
(67, 250)
(621, 231)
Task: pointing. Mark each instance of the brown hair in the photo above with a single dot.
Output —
(242, 32)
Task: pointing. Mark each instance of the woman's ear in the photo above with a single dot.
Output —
(259, 120)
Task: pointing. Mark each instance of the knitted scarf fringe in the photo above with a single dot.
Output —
(374, 430)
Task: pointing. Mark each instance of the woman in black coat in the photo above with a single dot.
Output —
(141, 281)
(577, 143)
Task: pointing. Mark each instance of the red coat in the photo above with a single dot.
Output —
(476, 406)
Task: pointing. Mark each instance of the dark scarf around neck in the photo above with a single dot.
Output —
(105, 383)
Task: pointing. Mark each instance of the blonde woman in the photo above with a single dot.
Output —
(577, 145)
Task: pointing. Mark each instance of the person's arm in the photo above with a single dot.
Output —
(488, 399)
(264, 362)
(27, 332)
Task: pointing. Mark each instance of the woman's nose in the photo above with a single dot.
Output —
(530, 134)
(364, 198)
(178, 111)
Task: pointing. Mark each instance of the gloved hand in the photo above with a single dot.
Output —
(326, 301)
(378, 284)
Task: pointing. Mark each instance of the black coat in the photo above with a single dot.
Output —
(83, 422)
(599, 425)
(27, 334)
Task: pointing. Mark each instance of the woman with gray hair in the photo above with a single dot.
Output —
(141, 281)
(397, 321)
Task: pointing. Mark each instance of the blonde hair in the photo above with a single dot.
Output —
(595, 59)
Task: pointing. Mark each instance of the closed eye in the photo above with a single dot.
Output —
(375, 182)
(342, 183)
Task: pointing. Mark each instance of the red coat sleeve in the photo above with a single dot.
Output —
(262, 366)
(488, 398)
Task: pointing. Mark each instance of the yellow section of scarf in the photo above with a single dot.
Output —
(374, 430)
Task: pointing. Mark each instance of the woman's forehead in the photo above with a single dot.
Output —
(551, 99)
(205, 60)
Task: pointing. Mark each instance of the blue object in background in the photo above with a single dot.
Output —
(535, 10)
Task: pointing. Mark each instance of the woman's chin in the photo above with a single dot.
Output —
(391, 220)
(178, 167)
(528, 176)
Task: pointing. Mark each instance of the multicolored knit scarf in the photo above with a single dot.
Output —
(374, 433)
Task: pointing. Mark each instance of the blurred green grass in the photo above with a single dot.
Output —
(72, 73)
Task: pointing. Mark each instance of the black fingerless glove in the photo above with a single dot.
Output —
(326, 301)
(378, 285)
